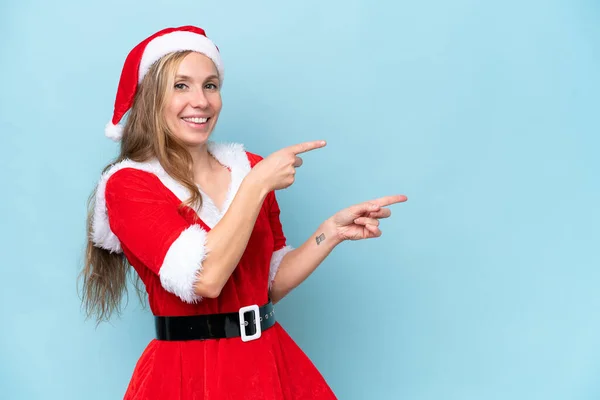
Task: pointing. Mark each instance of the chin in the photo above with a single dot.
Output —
(195, 140)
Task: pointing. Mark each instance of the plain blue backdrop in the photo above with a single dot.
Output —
(484, 284)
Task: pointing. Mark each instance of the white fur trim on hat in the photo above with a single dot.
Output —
(113, 132)
(179, 41)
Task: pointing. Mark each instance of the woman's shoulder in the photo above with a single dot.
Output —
(131, 174)
(126, 179)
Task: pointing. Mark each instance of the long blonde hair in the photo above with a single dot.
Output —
(145, 136)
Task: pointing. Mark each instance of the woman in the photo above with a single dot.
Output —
(199, 223)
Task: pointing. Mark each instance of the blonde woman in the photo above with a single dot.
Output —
(199, 223)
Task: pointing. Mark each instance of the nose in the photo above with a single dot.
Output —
(199, 99)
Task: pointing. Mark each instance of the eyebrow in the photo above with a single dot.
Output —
(188, 78)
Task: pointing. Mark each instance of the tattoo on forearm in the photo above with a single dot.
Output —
(320, 238)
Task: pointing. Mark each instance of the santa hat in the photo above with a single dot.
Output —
(150, 50)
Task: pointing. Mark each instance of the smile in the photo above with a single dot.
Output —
(195, 120)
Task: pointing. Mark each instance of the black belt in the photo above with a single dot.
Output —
(217, 326)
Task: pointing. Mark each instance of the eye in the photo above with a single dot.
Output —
(211, 86)
(180, 86)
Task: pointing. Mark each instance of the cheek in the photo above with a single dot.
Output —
(216, 102)
(174, 106)
(171, 116)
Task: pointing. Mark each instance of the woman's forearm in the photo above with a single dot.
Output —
(298, 264)
(226, 242)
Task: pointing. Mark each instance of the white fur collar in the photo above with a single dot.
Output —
(231, 155)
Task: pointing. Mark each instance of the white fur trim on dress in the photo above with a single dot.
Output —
(276, 259)
(179, 41)
(231, 155)
(234, 156)
(183, 262)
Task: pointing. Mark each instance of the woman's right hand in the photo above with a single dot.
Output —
(277, 171)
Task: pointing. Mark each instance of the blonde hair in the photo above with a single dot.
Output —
(145, 136)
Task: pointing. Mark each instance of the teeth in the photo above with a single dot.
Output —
(196, 120)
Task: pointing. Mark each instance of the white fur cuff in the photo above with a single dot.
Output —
(276, 260)
(183, 263)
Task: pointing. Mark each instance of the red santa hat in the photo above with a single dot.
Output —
(150, 50)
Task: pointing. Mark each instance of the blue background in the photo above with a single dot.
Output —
(484, 284)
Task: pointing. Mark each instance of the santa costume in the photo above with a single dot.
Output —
(229, 347)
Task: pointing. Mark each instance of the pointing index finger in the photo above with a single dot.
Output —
(388, 200)
(307, 146)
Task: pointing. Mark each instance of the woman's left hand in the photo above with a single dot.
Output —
(361, 221)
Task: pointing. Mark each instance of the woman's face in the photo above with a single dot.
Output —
(194, 102)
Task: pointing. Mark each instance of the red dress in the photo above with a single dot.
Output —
(137, 214)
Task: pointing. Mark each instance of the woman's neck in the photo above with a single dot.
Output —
(204, 164)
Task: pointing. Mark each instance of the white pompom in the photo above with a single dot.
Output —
(114, 132)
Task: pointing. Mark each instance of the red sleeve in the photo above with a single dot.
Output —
(279, 239)
(148, 225)
(280, 247)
